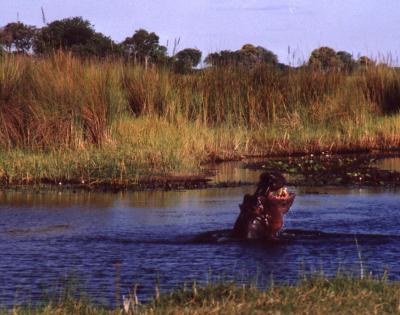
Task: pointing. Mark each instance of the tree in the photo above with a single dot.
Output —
(160, 55)
(249, 54)
(364, 61)
(103, 46)
(347, 62)
(324, 58)
(99, 46)
(222, 58)
(186, 59)
(143, 46)
(212, 59)
(66, 34)
(17, 36)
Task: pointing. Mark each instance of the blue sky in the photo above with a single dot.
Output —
(367, 27)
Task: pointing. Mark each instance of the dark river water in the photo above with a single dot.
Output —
(102, 239)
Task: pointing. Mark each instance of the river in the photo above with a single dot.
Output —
(110, 242)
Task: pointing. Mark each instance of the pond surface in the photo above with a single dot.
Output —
(110, 242)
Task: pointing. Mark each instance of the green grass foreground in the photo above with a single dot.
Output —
(68, 119)
(340, 295)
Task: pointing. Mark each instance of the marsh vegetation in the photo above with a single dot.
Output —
(63, 117)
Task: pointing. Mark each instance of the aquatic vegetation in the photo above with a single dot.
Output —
(330, 169)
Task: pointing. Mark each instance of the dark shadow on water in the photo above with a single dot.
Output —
(286, 237)
(296, 236)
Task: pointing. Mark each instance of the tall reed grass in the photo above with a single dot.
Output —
(158, 118)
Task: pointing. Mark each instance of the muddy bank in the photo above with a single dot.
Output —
(333, 169)
(143, 183)
(319, 169)
(168, 182)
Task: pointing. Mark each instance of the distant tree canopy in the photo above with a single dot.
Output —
(143, 46)
(17, 37)
(66, 34)
(222, 58)
(250, 54)
(247, 55)
(98, 45)
(364, 61)
(186, 59)
(347, 62)
(78, 36)
(326, 58)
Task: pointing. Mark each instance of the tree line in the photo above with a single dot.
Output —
(79, 37)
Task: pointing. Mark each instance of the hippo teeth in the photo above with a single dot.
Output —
(281, 192)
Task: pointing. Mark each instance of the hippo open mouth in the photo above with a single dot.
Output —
(261, 214)
(281, 193)
(280, 200)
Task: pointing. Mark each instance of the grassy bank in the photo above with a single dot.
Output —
(64, 118)
(340, 295)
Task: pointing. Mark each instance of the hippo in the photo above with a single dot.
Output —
(261, 214)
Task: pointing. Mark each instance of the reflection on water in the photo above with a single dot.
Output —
(44, 237)
(390, 164)
(233, 172)
(54, 199)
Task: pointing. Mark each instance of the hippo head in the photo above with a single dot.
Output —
(261, 214)
(276, 199)
(272, 186)
(270, 181)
